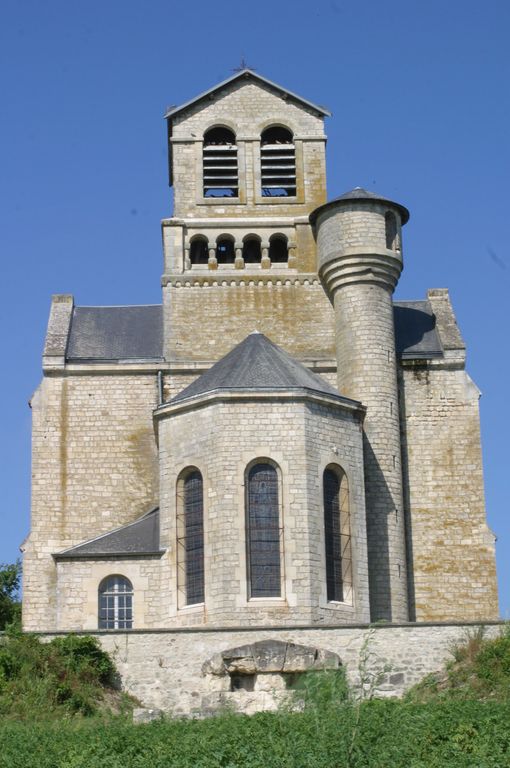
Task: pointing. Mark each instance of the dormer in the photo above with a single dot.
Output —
(247, 146)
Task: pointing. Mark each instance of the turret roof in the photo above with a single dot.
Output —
(359, 193)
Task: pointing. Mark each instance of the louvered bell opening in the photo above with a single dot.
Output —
(278, 170)
(277, 162)
(220, 164)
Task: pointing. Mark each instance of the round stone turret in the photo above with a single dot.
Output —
(359, 239)
(359, 255)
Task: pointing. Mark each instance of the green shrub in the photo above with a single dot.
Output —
(68, 676)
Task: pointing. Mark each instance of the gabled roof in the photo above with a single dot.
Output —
(247, 74)
(116, 333)
(256, 364)
(140, 538)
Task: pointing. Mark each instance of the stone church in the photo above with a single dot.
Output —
(278, 443)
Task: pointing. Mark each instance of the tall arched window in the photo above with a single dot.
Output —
(220, 163)
(263, 531)
(190, 533)
(278, 162)
(337, 530)
(115, 597)
(199, 251)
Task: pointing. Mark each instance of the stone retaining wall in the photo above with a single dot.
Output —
(197, 671)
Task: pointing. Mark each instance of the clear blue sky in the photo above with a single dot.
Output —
(420, 98)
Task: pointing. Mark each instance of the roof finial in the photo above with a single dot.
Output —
(243, 65)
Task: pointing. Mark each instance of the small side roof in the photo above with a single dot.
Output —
(416, 333)
(247, 74)
(256, 364)
(140, 538)
(116, 333)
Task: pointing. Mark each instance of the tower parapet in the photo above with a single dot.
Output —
(359, 254)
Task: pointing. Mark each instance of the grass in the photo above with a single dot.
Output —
(394, 734)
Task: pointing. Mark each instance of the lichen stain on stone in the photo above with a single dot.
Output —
(142, 451)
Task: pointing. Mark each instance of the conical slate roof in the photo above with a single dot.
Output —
(359, 193)
(256, 364)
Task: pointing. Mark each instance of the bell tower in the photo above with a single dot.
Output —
(247, 163)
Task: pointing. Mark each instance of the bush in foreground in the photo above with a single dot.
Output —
(68, 676)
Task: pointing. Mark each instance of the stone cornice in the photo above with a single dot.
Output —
(292, 395)
(238, 222)
(226, 278)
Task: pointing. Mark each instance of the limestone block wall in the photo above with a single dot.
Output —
(205, 318)
(77, 591)
(94, 467)
(327, 443)
(221, 439)
(451, 548)
(170, 670)
(247, 108)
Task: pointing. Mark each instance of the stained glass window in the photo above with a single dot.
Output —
(263, 534)
(192, 541)
(337, 535)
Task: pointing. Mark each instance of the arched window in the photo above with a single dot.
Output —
(278, 250)
(392, 240)
(263, 531)
(115, 603)
(190, 533)
(220, 163)
(199, 251)
(337, 530)
(225, 251)
(252, 253)
(278, 162)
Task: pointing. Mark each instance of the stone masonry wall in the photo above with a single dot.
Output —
(94, 465)
(204, 321)
(451, 548)
(168, 670)
(221, 439)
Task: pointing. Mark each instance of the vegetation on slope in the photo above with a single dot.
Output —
(479, 670)
(68, 676)
(53, 698)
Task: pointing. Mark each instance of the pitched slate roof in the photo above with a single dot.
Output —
(415, 330)
(134, 539)
(116, 333)
(358, 193)
(246, 74)
(102, 334)
(256, 364)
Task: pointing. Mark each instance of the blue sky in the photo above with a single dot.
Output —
(420, 99)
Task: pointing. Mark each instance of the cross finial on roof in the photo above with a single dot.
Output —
(242, 65)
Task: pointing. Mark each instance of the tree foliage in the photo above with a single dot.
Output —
(10, 581)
